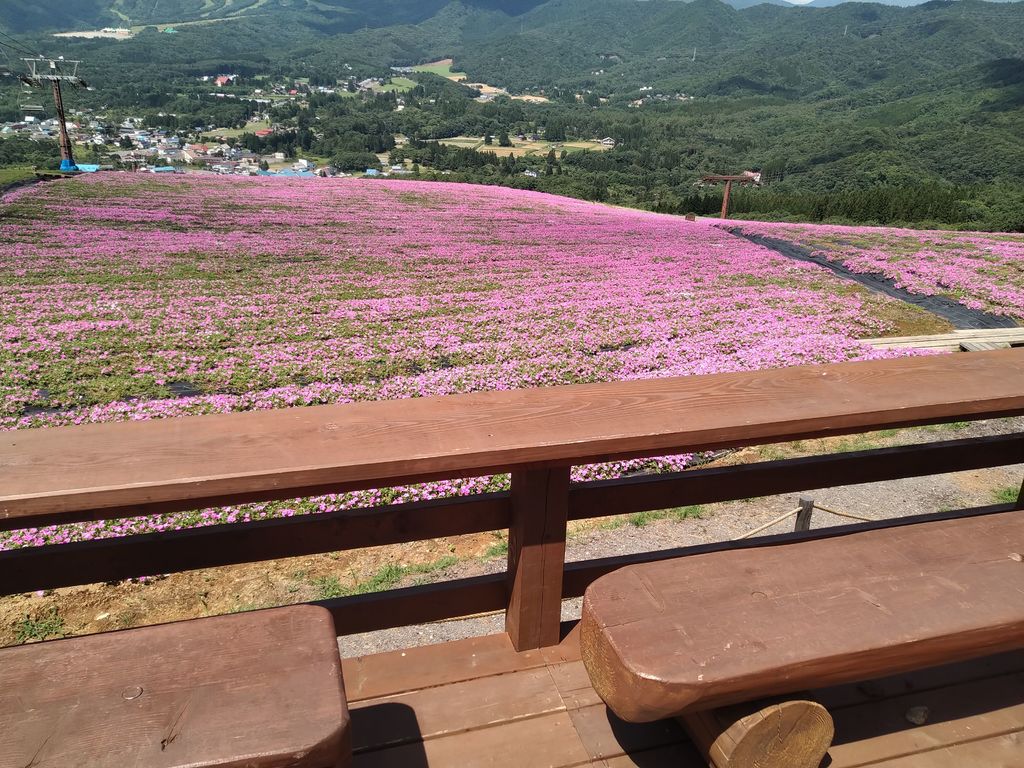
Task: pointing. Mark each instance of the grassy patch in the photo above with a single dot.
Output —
(388, 577)
(40, 627)
(498, 548)
(678, 514)
(14, 175)
(443, 68)
(1007, 495)
(398, 85)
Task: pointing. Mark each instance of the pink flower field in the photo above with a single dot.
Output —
(119, 293)
(981, 270)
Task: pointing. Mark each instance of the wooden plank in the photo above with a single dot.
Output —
(1005, 751)
(386, 674)
(954, 337)
(440, 711)
(63, 565)
(920, 681)
(549, 741)
(582, 573)
(708, 486)
(255, 689)
(779, 619)
(127, 468)
(880, 731)
(568, 649)
(574, 686)
(416, 605)
(681, 755)
(982, 346)
(606, 736)
(536, 556)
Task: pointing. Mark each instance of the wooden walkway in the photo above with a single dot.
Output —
(478, 702)
(967, 341)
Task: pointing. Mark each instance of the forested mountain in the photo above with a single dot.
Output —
(821, 100)
(327, 16)
(330, 16)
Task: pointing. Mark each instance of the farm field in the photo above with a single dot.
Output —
(521, 148)
(981, 270)
(442, 68)
(176, 296)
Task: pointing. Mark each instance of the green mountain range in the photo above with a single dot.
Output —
(845, 97)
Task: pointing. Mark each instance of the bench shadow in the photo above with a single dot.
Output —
(388, 734)
(654, 745)
(928, 697)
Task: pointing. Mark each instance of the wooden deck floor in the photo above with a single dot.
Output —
(479, 703)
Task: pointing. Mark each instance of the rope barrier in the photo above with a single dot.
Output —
(845, 514)
(776, 521)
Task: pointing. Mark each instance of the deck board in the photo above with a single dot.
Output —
(478, 702)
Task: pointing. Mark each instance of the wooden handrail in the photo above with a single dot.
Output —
(119, 469)
(114, 470)
(85, 562)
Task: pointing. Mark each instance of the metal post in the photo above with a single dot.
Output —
(67, 158)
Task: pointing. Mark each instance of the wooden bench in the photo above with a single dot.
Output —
(259, 690)
(687, 635)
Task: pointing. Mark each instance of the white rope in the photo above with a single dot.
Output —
(845, 514)
(776, 521)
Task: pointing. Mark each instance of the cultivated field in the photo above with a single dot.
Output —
(173, 296)
(443, 68)
(525, 148)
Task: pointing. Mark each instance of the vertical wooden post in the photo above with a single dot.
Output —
(725, 200)
(803, 517)
(536, 556)
(1020, 498)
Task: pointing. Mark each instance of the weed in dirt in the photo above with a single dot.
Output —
(498, 548)
(40, 627)
(388, 577)
(679, 514)
(953, 426)
(1007, 495)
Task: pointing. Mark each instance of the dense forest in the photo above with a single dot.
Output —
(857, 112)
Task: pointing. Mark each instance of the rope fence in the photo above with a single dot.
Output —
(803, 517)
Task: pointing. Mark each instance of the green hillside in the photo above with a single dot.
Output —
(821, 100)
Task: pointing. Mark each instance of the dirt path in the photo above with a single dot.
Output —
(96, 608)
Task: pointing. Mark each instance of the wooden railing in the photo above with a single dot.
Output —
(107, 471)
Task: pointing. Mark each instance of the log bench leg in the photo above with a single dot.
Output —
(789, 733)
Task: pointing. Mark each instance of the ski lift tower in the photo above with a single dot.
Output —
(746, 178)
(56, 72)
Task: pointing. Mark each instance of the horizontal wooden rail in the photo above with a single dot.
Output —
(708, 486)
(52, 566)
(581, 574)
(122, 469)
(417, 605)
(483, 594)
(89, 562)
(117, 470)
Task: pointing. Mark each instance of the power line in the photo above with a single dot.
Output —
(16, 45)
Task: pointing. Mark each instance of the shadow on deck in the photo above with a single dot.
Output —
(478, 702)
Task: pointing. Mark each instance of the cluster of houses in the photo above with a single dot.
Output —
(650, 97)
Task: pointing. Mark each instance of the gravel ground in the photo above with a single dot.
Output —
(723, 522)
